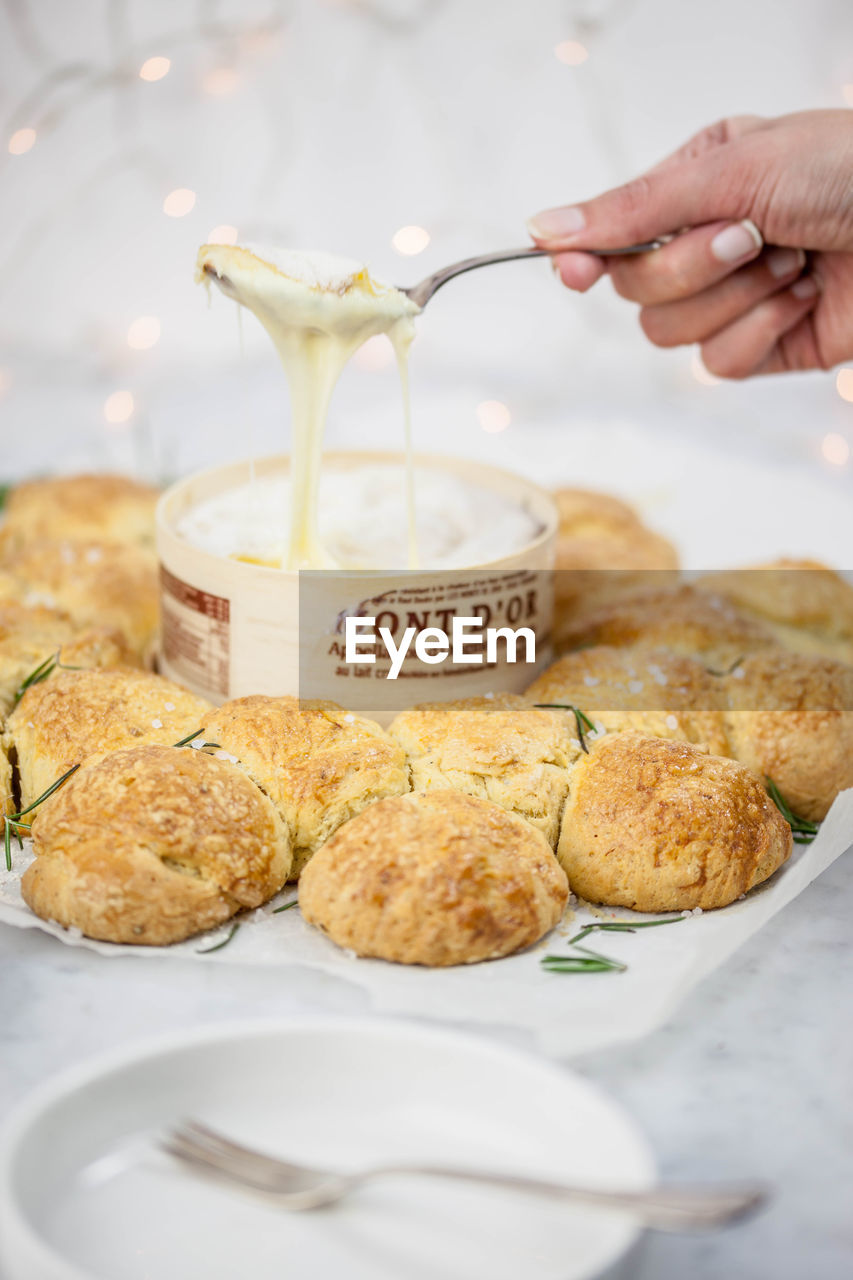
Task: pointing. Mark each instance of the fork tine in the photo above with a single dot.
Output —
(200, 1134)
(226, 1168)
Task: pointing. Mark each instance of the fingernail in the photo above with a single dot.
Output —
(784, 262)
(740, 240)
(805, 288)
(552, 224)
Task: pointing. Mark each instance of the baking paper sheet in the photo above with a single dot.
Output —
(566, 1013)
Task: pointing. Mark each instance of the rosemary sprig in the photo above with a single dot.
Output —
(804, 831)
(589, 962)
(582, 722)
(12, 821)
(206, 951)
(294, 902)
(41, 672)
(593, 961)
(621, 926)
(5, 490)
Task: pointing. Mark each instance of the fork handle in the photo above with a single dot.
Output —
(685, 1208)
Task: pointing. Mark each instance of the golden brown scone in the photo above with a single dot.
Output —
(604, 551)
(653, 691)
(151, 845)
(88, 508)
(684, 620)
(98, 584)
(600, 531)
(501, 749)
(77, 714)
(434, 878)
(807, 606)
(318, 763)
(657, 825)
(30, 636)
(791, 719)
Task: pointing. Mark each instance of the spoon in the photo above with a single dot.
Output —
(421, 293)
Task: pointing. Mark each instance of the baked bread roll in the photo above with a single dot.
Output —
(656, 825)
(77, 714)
(500, 749)
(791, 719)
(88, 508)
(434, 878)
(97, 584)
(604, 551)
(31, 636)
(653, 691)
(319, 764)
(807, 606)
(151, 845)
(686, 621)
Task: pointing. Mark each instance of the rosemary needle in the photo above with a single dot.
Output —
(41, 672)
(620, 926)
(202, 746)
(593, 961)
(294, 902)
(728, 670)
(12, 821)
(582, 722)
(803, 830)
(206, 951)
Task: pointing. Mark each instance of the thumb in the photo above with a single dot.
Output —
(714, 186)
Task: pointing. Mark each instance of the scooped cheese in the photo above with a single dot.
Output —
(363, 520)
(318, 309)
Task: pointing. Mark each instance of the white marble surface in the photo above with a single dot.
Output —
(752, 1077)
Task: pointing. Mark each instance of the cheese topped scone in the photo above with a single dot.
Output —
(78, 714)
(98, 584)
(603, 551)
(685, 620)
(100, 507)
(657, 825)
(791, 719)
(653, 691)
(501, 749)
(434, 878)
(319, 763)
(31, 636)
(152, 844)
(807, 606)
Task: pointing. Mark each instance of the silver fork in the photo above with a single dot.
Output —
(422, 292)
(299, 1186)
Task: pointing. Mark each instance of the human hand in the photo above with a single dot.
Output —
(760, 269)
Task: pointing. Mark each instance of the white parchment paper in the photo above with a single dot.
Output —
(567, 1013)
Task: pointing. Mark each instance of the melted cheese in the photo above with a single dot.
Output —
(318, 309)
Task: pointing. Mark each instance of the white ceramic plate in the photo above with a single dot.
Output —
(85, 1193)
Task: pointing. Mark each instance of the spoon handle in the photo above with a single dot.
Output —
(422, 292)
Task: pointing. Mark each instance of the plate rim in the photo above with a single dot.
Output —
(16, 1229)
